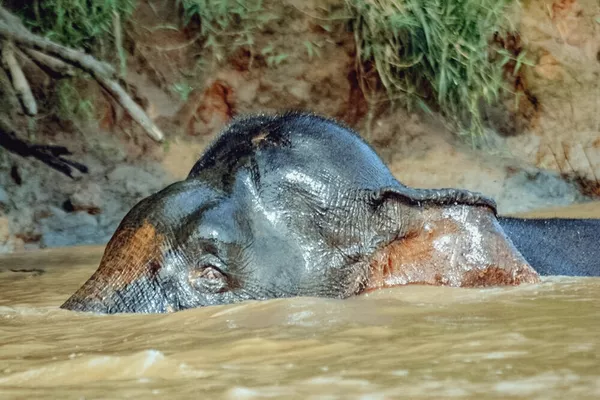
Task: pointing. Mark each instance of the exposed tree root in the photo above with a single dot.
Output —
(49, 155)
(50, 64)
(19, 82)
(8, 98)
(56, 57)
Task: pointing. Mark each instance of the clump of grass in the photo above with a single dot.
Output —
(72, 104)
(227, 25)
(182, 89)
(272, 57)
(81, 24)
(434, 52)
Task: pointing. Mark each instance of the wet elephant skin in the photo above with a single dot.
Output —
(557, 246)
(280, 206)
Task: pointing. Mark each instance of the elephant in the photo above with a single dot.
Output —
(297, 204)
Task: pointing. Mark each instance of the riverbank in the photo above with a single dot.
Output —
(542, 152)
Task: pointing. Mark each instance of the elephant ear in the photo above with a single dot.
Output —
(431, 197)
(450, 238)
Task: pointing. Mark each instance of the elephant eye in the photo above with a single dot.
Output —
(211, 272)
(208, 279)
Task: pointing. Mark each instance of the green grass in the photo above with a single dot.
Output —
(434, 52)
(183, 90)
(272, 57)
(228, 25)
(71, 103)
(81, 24)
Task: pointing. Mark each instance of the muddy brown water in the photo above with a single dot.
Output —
(535, 341)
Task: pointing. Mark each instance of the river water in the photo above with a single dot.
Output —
(535, 342)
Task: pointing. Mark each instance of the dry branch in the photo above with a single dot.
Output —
(47, 62)
(18, 79)
(102, 72)
(134, 110)
(81, 60)
(8, 97)
(12, 20)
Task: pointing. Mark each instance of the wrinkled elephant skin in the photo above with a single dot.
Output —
(299, 205)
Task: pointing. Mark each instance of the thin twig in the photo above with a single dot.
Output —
(119, 42)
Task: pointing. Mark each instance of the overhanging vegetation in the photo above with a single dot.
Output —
(434, 52)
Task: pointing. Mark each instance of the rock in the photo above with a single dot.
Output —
(3, 197)
(13, 244)
(134, 181)
(69, 230)
(264, 98)
(57, 212)
(301, 90)
(4, 229)
(88, 198)
(527, 190)
(69, 221)
(246, 93)
(548, 68)
(17, 244)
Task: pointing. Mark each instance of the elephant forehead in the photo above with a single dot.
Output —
(219, 223)
(316, 147)
(353, 163)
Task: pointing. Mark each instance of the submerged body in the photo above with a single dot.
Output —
(557, 246)
(298, 205)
